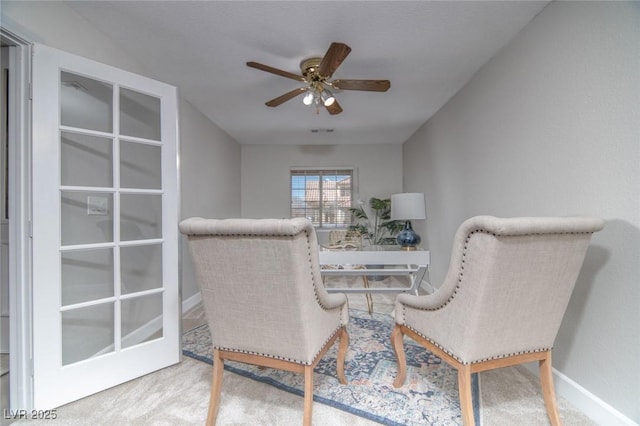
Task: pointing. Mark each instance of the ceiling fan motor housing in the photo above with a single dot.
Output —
(309, 69)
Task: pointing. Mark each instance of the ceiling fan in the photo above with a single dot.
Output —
(316, 74)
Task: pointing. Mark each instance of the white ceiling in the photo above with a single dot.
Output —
(428, 50)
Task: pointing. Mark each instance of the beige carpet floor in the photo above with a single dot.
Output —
(179, 395)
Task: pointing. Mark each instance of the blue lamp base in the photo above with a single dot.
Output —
(407, 239)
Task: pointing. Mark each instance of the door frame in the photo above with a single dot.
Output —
(19, 155)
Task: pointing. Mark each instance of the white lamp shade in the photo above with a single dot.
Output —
(408, 206)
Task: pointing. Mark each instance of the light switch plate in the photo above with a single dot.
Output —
(97, 205)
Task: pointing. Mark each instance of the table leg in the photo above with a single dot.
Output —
(416, 279)
(367, 295)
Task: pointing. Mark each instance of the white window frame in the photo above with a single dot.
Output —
(312, 170)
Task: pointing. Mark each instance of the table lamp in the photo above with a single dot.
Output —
(408, 206)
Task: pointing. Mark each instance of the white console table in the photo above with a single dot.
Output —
(378, 260)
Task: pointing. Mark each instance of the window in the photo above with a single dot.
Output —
(322, 196)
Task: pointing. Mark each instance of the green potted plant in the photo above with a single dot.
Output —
(379, 229)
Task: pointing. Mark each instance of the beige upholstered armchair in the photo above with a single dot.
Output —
(264, 299)
(502, 301)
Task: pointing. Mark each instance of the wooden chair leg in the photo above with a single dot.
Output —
(342, 353)
(308, 395)
(548, 390)
(216, 388)
(466, 396)
(398, 348)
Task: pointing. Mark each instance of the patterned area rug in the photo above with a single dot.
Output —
(429, 396)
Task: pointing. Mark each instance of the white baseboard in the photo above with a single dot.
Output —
(595, 408)
(191, 302)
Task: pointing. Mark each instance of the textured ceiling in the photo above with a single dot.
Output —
(428, 50)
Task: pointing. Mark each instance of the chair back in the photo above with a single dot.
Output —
(261, 287)
(508, 285)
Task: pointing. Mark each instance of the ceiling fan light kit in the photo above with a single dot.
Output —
(327, 97)
(309, 97)
(316, 74)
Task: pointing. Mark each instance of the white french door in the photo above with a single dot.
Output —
(106, 305)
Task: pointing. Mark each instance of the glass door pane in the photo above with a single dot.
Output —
(87, 217)
(139, 115)
(86, 103)
(86, 160)
(90, 274)
(87, 275)
(87, 332)
(141, 268)
(140, 216)
(141, 319)
(140, 166)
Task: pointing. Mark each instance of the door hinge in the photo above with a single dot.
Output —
(30, 229)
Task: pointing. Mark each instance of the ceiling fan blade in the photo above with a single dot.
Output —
(276, 71)
(334, 108)
(284, 98)
(368, 85)
(331, 60)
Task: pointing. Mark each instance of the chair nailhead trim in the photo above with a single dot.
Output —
(313, 278)
(455, 292)
(464, 254)
(222, 348)
(478, 360)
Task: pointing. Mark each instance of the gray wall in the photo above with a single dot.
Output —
(551, 126)
(210, 178)
(265, 172)
(208, 155)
